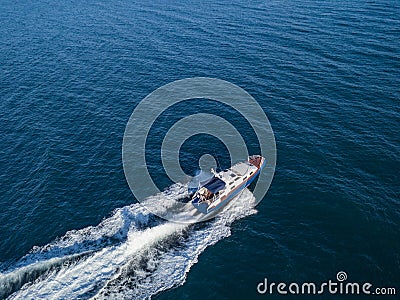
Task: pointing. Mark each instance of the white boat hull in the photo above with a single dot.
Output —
(211, 197)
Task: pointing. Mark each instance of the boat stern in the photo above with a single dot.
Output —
(200, 206)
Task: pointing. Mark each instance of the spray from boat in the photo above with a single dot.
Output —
(132, 254)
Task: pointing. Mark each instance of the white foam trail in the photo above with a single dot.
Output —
(15, 279)
(81, 277)
(132, 255)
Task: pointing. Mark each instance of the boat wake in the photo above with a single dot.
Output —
(131, 255)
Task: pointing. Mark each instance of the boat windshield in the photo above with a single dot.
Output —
(215, 185)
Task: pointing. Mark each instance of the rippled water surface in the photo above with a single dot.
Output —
(326, 73)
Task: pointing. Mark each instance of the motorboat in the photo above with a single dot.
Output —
(225, 185)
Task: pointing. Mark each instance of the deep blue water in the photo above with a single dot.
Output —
(326, 73)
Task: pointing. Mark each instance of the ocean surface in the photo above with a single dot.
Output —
(327, 75)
